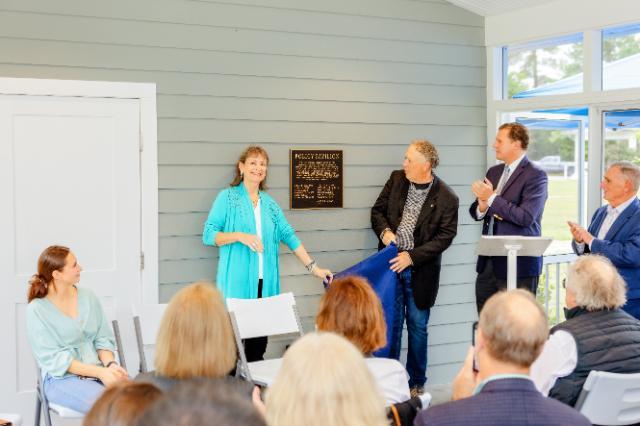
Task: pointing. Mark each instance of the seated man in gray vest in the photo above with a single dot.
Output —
(597, 334)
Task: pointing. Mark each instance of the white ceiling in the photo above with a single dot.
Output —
(496, 7)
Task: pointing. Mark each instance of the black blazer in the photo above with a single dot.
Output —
(435, 229)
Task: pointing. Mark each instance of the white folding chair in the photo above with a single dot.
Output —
(146, 322)
(43, 406)
(610, 398)
(269, 316)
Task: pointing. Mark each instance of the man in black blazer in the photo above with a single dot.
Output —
(418, 212)
(511, 333)
(509, 201)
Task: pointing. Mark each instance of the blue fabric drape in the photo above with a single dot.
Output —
(384, 282)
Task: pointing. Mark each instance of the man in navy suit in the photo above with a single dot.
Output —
(615, 229)
(509, 201)
(511, 333)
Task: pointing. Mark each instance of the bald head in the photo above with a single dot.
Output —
(514, 327)
(595, 284)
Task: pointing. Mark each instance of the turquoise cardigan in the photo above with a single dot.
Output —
(237, 276)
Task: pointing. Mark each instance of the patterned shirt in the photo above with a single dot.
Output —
(410, 213)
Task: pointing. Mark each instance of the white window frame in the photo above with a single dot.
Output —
(593, 97)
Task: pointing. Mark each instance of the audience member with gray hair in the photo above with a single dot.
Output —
(614, 231)
(493, 387)
(597, 334)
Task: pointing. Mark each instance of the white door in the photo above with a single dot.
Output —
(69, 175)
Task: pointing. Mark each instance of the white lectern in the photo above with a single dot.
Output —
(512, 246)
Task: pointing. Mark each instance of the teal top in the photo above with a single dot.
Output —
(232, 211)
(57, 339)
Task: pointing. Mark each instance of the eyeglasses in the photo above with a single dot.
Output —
(474, 328)
(564, 283)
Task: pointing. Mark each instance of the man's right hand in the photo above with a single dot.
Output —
(466, 381)
(388, 237)
(576, 231)
(483, 206)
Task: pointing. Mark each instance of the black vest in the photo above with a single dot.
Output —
(606, 340)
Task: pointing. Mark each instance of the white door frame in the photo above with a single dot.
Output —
(146, 93)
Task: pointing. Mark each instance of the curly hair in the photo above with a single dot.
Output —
(428, 150)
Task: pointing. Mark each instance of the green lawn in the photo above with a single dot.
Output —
(562, 205)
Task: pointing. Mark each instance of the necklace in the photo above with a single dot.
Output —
(255, 200)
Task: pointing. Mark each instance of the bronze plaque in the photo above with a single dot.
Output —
(315, 179)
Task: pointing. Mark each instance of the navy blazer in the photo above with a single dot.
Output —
(507, 402)
(621, 245)
(518, 211)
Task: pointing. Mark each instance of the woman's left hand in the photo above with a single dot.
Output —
(323, 274)
(120, 372)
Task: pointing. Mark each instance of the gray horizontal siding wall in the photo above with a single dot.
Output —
(365, 76)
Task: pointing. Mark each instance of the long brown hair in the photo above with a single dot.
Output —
(351, 308)
(251, 151)
(53, 258)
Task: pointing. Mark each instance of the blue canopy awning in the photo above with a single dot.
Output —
(625, 119)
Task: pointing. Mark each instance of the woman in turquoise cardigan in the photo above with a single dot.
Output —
(248, 226)
(68, 332)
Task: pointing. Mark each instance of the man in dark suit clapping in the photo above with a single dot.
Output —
(614, 231)
(509, 201)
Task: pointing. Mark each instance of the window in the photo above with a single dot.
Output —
(621, 57)
(621, 136)
(544, 67)
(557, 143)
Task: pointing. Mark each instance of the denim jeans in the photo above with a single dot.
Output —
(73, 392)
(417, 320)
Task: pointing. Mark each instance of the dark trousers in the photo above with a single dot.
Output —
(255, 348)
(487, 284)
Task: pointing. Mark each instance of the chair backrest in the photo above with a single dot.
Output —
(146, 321)
(119, 348)
(267, 316)
(610, 398)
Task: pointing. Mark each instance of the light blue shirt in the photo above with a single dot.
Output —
(238, 265)
(498, 377)
(57, 339)
(612, 214)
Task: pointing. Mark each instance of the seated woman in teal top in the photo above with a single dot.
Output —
(68, 332)
(248, 226)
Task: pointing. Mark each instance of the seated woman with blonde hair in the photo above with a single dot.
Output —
(323, 381)
(195, 338)
(351, 308)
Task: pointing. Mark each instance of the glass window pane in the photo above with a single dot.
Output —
(621, 57)
(557, 137)
(621, 136)
(548, 67)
